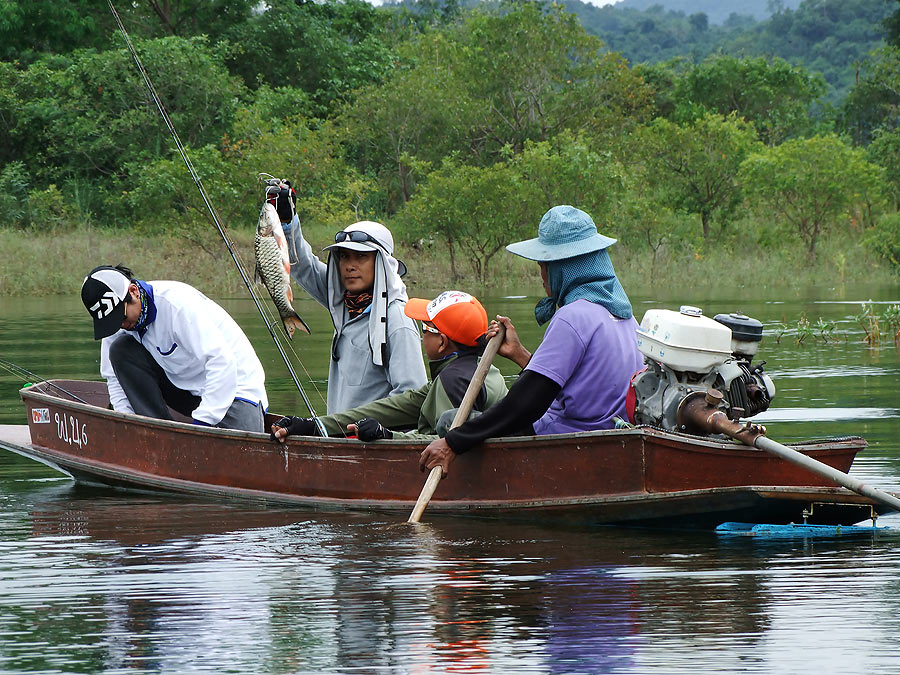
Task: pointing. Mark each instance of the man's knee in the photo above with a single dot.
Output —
(122, 349)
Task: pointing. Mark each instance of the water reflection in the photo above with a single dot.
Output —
(96, 581)
(148, 584)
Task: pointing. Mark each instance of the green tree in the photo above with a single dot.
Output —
(327, 49)
(892, 26)
(185, 18)
(485, 87)
(533, 74)
(875, 100)
(477, 210)
(85, 116)
(422, 114)
(884, 150)
(697, 164)
(884, 238)
(474, 210)
(566, 170)
(31, 28)
(772, 94)
(329, 191)
(812, 183)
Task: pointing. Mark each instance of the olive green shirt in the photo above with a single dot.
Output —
(418, 410)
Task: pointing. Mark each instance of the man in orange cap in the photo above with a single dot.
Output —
(453, 324)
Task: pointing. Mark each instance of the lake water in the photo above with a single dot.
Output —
(96, 581)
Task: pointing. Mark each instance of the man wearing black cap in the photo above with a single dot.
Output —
(166, 345)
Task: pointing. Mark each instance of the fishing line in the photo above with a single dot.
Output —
(212, 212)
(23, 373)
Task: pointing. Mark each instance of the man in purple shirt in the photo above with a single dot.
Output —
(578, 378)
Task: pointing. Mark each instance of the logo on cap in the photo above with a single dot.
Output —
(105, 304)
(445, 300)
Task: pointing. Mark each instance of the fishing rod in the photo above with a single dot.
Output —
(16, 370)
(212, 212)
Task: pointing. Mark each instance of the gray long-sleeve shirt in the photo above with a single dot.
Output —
(353, 378)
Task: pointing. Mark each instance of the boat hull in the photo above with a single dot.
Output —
(641, 475)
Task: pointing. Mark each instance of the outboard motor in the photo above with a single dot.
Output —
(686, 352)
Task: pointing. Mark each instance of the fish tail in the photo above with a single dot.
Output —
(293, 322)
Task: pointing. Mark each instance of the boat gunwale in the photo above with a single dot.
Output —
(675, 438)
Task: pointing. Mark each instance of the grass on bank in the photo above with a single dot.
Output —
(55, 263)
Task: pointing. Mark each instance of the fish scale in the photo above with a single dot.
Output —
(273, 267)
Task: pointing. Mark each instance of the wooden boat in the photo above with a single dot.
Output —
(644, 475)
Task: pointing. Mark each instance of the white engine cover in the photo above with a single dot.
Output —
(685, 340)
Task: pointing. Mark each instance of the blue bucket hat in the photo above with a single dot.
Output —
(564, 232)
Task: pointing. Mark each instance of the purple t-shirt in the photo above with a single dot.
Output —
(592, 355)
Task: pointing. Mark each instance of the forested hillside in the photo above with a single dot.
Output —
(458, 127)
(717, 11)
(825, 36)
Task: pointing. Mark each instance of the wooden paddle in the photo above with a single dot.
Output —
(462, 414)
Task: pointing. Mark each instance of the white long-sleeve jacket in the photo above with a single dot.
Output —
(200, 348)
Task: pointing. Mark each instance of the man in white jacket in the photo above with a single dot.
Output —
(166, 345)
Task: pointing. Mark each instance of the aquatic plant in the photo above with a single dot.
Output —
(869, 321)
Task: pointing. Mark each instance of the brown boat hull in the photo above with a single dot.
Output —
(636, 475)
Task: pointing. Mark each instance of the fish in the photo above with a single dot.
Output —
(273, 267)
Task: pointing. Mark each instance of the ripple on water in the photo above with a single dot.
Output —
(824, 414)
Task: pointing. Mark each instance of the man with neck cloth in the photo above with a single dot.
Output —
(166, 345)
(376, 348)
(578, 378)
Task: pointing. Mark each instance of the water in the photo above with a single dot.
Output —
(98, 581)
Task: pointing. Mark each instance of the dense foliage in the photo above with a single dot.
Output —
(457, 125)
(824, 36)
(718, 11)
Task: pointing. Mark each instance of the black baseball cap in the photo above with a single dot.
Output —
(103, 294)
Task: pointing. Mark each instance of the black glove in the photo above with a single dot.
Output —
(285, 202)
(369, 429)
(298, 426)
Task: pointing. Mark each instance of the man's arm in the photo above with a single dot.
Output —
(394, 412)
(117, 397)
(527, 400)
(306, 268)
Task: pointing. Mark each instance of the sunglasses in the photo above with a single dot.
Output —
(357, 236)
(429, 329)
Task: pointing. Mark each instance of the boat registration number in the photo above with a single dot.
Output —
(70, 430)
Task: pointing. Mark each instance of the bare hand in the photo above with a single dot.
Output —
(511, 347)
(438, 453)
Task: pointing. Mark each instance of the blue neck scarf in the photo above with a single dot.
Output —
(589, 276)
(148, 307)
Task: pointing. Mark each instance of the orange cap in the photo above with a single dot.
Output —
(457, 315)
